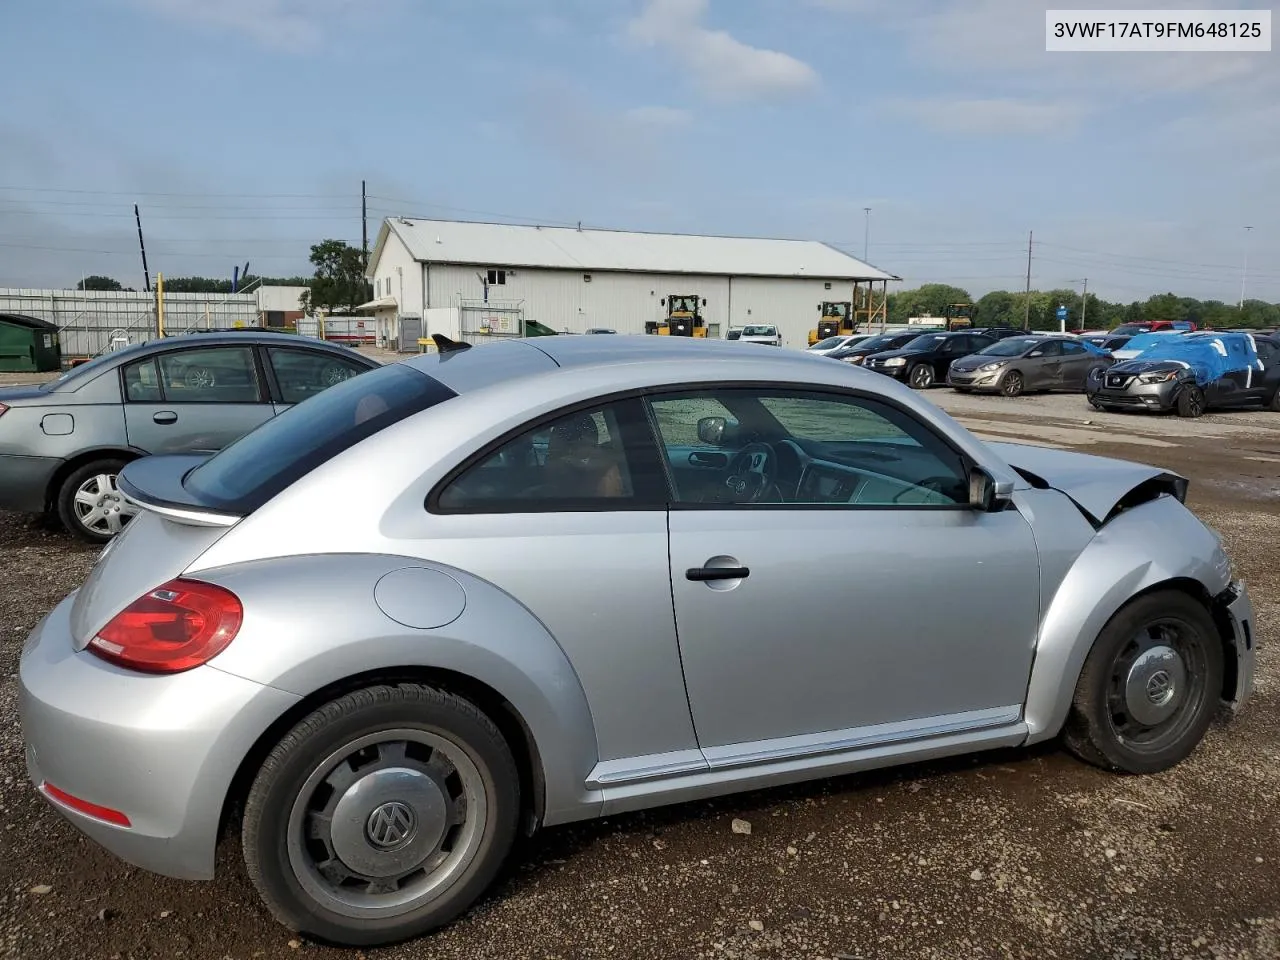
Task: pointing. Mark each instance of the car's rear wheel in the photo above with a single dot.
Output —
(1149, 687)
(382, 815)
(1275, 401)
(1190, 402)
(1012, 384)
(89, 503)
(921, 376)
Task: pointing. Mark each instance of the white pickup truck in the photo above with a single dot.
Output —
(761, 333)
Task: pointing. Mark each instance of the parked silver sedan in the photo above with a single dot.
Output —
(1016, 365)
(63, 442)
(489, 589)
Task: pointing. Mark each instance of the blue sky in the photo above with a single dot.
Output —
(244, 127)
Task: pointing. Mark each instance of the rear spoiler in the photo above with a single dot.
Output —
(155, 484)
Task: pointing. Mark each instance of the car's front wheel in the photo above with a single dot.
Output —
(1149, 687)
(1012, 384)
(382, 815)
(1190, 402)
(921, 376)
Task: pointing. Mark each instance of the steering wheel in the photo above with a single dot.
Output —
(752, 472)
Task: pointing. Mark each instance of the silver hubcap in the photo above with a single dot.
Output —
(923, 376)
(387, 823)
(1155, 685)
(101, 507)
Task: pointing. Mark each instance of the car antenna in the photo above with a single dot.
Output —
(445, 345)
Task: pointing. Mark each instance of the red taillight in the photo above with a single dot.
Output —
(85, 807)
(175, 627)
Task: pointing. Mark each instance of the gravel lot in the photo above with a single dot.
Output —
(1010, 854)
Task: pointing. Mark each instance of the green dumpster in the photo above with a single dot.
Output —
(28, 344)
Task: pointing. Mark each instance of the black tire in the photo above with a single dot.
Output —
(65, 498)
(1011, 385)
(1275, 401)
(300, 757)
(1102, 727)
(920, 377)
(1190, 402)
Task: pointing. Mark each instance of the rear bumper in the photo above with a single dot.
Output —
(24, 482)
(161, 750)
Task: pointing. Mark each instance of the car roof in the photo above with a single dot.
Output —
(515, 358)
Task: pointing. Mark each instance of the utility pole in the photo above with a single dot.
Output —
(1244, 271)
(1026, 306)
(866, 234)
(1084, 304)
(364, 226)
(143, 247)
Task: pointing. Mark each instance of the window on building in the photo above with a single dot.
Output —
(497, 277)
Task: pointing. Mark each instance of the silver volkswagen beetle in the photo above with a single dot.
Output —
(489, 589)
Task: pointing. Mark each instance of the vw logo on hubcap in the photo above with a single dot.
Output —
(1159, 687)
(390, 825)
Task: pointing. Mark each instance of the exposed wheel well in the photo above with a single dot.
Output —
(513, 727)
(1197, 591)
(78, 461)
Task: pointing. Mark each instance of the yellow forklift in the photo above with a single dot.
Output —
(684, 319)
(836, 320)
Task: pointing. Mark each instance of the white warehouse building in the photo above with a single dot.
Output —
(476, 281)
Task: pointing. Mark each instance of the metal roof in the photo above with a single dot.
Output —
(566, 248)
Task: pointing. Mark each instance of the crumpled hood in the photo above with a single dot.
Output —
(1097, 485)
(1138, 365)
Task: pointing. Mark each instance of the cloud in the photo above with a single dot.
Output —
(289, 25)
(726, 68)
(993, 115)
(658, 116)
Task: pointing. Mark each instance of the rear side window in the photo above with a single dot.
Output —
(249, 472)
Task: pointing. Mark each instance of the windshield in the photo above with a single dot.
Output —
(1009, 347)
(249, 472)
(930, 341)
(1131, 328)
(759, 331)
(829, 344)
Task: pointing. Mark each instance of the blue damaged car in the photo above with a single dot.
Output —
(1191, 373)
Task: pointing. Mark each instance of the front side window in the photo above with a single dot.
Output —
(1051, 349)
(209, 375)
(794, 447)
(256, 467)
(592, 459)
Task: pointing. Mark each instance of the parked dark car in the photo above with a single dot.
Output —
(1016, 365)
(1193, 375)
(63, 442)
(858, 352)
(925, 360)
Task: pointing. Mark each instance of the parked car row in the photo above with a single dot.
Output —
(1161, 370)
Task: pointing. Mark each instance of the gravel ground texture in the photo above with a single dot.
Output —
(1019, 854)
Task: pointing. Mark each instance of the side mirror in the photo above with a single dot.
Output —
(985, 494)
(1036, 353)
(716, 431)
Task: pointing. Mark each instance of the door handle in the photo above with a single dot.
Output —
(165, 416)
(703, 574)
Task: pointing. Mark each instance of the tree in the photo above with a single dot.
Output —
(97, 282)
(999, 308)
(339, 282)
(931, 299)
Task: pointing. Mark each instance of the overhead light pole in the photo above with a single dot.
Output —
(1244, 270)
(1084, 299)
(866, 233)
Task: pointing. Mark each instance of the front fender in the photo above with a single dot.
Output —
(312, 621)
(1156, 542)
